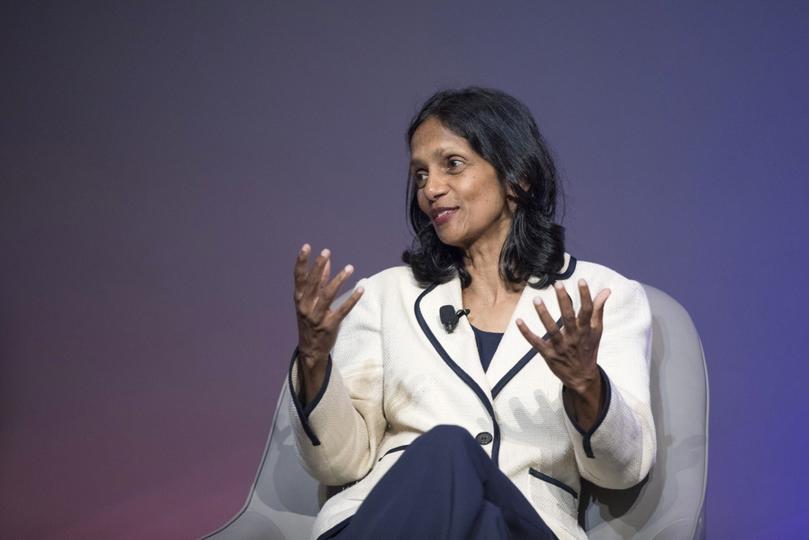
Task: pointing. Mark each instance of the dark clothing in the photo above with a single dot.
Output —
(487, 345)
(445, 487)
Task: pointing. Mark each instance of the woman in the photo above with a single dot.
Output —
(480, 426)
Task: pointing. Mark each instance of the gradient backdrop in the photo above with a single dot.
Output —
(161, 164)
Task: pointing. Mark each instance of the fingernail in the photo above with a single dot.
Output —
(325, 253)
(360, 290)
(537, 301)
(582, 283)
(349, 268)
(559, 285)
(519, 322)
(304, 248)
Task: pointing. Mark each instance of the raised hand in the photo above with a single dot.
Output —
(571, 352)
(317, 322)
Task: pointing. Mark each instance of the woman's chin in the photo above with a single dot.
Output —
(451, 241)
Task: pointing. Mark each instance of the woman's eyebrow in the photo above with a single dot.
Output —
(415, 162)
(437, 153)
(445, 151)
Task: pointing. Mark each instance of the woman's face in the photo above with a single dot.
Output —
(458, 189)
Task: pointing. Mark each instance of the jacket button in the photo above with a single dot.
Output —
(484, 437)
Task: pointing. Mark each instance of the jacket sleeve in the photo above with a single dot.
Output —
(338, 431)
(618, 451)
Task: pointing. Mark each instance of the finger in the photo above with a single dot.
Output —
(331, 290)
(536, 342)
(301, 262)
(324, 276)
(319, 304)
(328, 293)
(597, 322)
(566, 307)
(554, 332)
(345, 307)
(313, 278)
(586, 310)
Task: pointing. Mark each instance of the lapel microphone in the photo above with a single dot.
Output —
(450, 317)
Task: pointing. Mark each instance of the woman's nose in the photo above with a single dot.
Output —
(435, 187)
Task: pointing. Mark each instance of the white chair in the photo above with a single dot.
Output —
(668, 505)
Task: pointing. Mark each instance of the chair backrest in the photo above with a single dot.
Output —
(284, 500)
(669, 505)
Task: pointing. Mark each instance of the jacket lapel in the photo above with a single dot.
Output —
(513, 347)
(459, 348)
(514, 352)
(460, 345)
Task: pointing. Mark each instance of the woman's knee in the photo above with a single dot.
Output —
(446, 436)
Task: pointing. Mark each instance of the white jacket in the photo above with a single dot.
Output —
(395, 373)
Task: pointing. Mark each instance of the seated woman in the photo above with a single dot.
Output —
(466, 393)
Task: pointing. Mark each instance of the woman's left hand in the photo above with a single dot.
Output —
(571, 352)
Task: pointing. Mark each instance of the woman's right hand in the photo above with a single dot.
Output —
(317, 322)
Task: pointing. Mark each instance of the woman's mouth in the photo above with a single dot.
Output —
(443, 215)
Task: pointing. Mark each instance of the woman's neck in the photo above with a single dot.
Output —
(490, 299)
(483, 265)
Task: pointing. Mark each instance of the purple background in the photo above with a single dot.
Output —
(161, 166)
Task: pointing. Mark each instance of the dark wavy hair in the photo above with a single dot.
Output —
(503, 131)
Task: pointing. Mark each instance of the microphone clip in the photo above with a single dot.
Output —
(450, 317)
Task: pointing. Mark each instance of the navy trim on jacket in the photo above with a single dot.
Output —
(392, 450)
(305, 411)
(571, 267)
(521, 364)
(458, 371)
(551, 480)
(606, 397)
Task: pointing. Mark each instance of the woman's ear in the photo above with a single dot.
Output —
(524, 184)
(511, 197)
(510, 191)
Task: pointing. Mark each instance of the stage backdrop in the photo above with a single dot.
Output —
(162, 164)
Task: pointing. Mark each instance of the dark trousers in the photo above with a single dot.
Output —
(444, 486)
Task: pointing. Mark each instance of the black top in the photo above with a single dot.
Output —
(487, 345)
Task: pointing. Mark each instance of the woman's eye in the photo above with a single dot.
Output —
(455, 163)
(420, 179)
